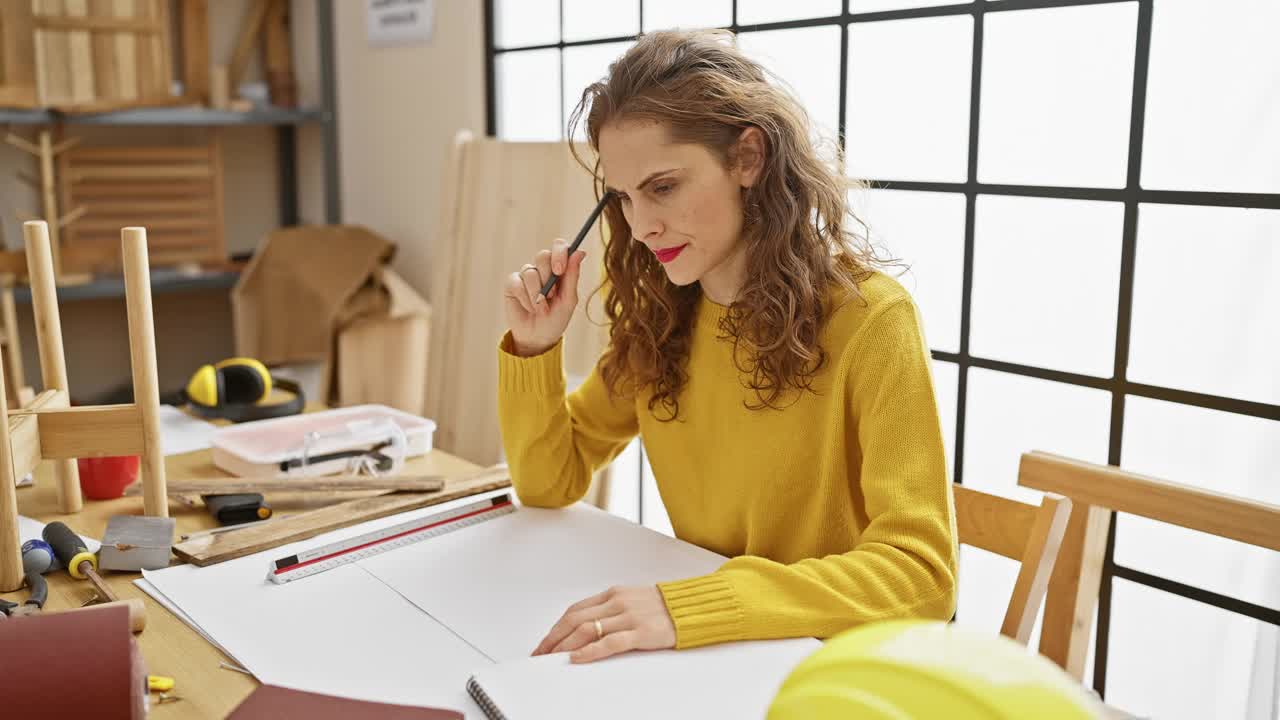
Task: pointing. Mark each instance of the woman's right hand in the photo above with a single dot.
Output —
(536, 322)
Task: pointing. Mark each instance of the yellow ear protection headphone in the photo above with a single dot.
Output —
(237, 389)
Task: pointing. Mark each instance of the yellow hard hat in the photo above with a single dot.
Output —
(914, 669)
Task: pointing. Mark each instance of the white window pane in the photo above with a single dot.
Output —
(1008, 415)
(908, 101)
(526, 22)
(986, 585)
(861, 6)
(926, 231)
(1056, 92)
(946, 381)
(1206, 307)
(653, 512)
(590, 19)
(624, 483)
(1213, 97)
(764, 11)
(584, 65)
(1046, 278)
(807, 61)
(528, 92)
(1178, 659)
(667, 14)
(1223, 452)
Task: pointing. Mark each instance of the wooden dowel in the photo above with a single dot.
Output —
(142, 353)
(73, 216)
(53, 362)
(10, 541)
(9, 314)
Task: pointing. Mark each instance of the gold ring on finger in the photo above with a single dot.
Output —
(599, 630)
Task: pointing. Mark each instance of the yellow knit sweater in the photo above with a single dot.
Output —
(836, 510)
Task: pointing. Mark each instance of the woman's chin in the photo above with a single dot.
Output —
(680, 276)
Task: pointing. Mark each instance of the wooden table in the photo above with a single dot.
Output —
(169, 646)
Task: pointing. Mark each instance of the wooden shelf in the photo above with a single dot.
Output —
(188, 116)
(163, 280)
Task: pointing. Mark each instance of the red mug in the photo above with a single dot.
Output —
(105, 478)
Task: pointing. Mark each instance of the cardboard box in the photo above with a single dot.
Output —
(324, 294)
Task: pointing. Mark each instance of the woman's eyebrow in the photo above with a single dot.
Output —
(648, 179)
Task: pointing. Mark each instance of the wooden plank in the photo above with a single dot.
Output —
(90, 431)
(1067, 630)
(212, 549)
(88, 191)
(17, 55)
(218, 241)
(1249, 521)
(138, 172)
(126, 54)
(195, 49)
(24, 431)
(332, 483)
(162, 49)
(158, 153)
(11, 570)
(1041, 553)
(80, 54)
(158, 226)
(249, 30)
(995, 524)
(134, 208)
(106, 73)
(52, 72)
(278, 56)
(98, 24)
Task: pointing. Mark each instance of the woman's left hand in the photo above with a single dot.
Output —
(630, 618)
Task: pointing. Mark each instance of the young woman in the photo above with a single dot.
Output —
(780, 381)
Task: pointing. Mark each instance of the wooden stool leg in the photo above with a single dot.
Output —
(146, 381)
(53, 362)
(10, 541)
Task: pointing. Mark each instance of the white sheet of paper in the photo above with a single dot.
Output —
(145, 586)
(29, 529)
(180, 433)
(707, 682)
(341, 632)
(503, 583)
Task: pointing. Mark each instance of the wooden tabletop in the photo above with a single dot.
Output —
(169, 646)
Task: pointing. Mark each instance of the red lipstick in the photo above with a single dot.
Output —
(666, 255)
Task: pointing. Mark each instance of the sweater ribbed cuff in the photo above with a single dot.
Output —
(706, 610)
(541, 374)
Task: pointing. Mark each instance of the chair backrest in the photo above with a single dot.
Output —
(1096, 491)
(1019, 531)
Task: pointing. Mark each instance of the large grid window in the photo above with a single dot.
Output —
(1088, 195)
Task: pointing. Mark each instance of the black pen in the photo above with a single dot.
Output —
(586, 227)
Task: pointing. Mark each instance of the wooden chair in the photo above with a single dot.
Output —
(1095, 491)
(48, 428)
(1019, 531)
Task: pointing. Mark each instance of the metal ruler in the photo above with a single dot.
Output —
(327, 557)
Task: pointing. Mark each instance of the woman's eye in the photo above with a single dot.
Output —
(663, 189)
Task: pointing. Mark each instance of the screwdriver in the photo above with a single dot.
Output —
(72, 553)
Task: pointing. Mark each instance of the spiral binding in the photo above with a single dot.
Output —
(482, 699)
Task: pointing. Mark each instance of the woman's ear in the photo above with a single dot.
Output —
(750, 155)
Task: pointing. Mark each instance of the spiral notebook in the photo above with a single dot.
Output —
(734, 680)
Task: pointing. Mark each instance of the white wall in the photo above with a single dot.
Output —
(398, 110)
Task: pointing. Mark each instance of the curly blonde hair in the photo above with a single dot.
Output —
(799, 243)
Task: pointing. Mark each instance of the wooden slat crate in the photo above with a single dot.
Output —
(85, 55)
(175, 192)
